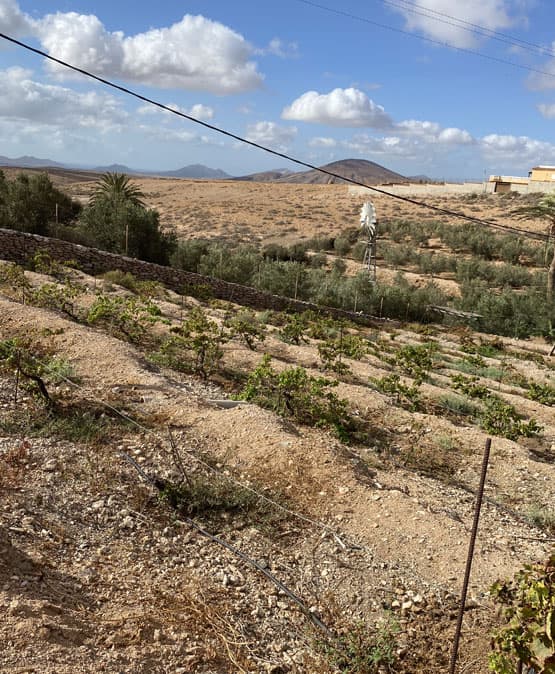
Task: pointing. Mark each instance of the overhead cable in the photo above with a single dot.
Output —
(421, 204)
(468, 26)
(465, 50)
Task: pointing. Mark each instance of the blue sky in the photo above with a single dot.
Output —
(320, 85)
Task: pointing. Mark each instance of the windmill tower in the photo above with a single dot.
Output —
(368, 225)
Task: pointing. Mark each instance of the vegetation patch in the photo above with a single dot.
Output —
(295, 394)
(527, 636)
(211, 496)
(361, 648)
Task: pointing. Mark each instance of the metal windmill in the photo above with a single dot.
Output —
(368, 225)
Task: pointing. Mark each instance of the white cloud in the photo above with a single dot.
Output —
(322, 142)
(454, 136)
(432, 133)
(388, 146)
(547, 110)
(24, 99)
(277, 48)
(159, 134)
(271, 134)
(518, 150)
(195, 53)
(414, 139)
(415, 127)
(12, 20)
(542, 81)
(438, 18)
(198, 111)
(341, 107)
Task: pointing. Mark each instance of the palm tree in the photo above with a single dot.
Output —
(118, 191)
(117, 188)
(543, 210)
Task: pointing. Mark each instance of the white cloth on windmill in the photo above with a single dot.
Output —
(368, 219)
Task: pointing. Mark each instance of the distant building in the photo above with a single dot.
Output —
(540, 179)
(544, 174)
(504, 184)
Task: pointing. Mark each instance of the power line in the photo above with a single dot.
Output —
(464, 50)
(421, 204)
(469, 26)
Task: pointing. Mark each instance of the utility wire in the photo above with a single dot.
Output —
(476, 28)
(441, 43)
(421, 204)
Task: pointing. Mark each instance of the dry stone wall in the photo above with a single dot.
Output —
(20, 247)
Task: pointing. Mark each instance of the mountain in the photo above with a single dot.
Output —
(193, 171)
(28, 162)
(115, 168)
(360, 170)
(265, 176)
(421, 178)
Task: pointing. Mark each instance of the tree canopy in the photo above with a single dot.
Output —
(31, 203)
(116, 189)
(117, 220)
(543, 210)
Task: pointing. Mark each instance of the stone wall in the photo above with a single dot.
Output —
(21, 247)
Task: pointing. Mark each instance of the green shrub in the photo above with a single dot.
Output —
(294, 330)
(404, 395)
(248, 327)
(209, 496)
(43, 263)
(528, 633)
(470, 386)
(342, 246)
(13, 275)
(128, 317)
(362, 649)
(29, 203)
(458, 405)
(542, 393)
(132, 283)
(415, 360)
(24, 358)
(500, 418)
(188, 254)
(330, 353)
(58, 298)
(195, 346)
(294, 393)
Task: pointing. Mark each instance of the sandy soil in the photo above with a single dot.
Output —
(96, 574)
(283, 213)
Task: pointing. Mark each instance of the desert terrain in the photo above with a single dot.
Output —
(100, 573)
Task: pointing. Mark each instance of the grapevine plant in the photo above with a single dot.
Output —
(528, 635)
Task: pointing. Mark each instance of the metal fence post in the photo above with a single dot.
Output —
(478, 507)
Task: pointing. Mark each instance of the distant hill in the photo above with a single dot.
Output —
(266, 176)
(115, 168)
(193, 171)
(360, 170)
(28, 162)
